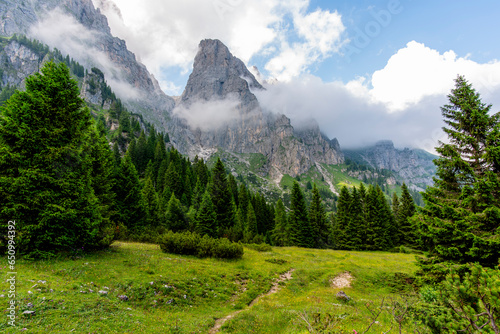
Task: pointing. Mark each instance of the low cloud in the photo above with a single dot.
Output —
(165, 34)
(416, 72)
(209, 115)
(60, 30)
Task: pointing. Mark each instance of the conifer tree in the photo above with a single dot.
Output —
(222, 197)
(280, 232)
(141, 154)
(206, 217)
(376, 220)
(251, 222)
(173, 180)
(129, 204)
(46, 166)
(355, 239)
(300, 228)
(321, 229)
(175, 218)
(150, 200)
(407, 235)
(460, 221)
(342, 219)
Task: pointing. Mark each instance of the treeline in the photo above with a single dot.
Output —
(365, 220)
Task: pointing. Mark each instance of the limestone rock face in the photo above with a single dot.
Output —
(18, 62)
(219, 77)
(413, 166)
(143, 94)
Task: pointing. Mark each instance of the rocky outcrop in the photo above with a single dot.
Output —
(219, 77)
(18, 62)
(142, 93)
(413, 166)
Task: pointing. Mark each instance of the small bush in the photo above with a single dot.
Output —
(188, 243)
(260, 247)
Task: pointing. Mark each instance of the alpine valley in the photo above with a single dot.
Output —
(217, 116)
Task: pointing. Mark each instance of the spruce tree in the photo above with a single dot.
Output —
(321, 229)
(342, 219)
(175, 218)
(129, 204)
(355, 229)
(206, 217)
(407, 235)
(460, 221)
(46, 166)
(222, 197)
(150, 200)
(251, 222)
(280, 232)
(300, 228)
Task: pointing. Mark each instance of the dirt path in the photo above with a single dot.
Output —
(275, 288)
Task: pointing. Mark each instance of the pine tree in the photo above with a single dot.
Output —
(300, 228)
(460, 221)
(174, 217)
(355, 239)
(251, 222)
(222, 197)
(377, 215)
(407, 235)
(317, 217)
(280, 232)
(206, 217)
(129, 204)
(342, 219)
(46, 166)
(150, 200)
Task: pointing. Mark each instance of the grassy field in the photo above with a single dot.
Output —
(168, 293)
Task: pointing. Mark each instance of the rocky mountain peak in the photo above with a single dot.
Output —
(217, 74)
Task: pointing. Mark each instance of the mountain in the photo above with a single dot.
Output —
(217, 115)
(413, 166)
(218, 110)
(88, 40)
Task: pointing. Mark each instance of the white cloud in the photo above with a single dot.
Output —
(320, 34)
(166, 33)
(61, 31)
(417, 71)
(209, 115)
(415, 83)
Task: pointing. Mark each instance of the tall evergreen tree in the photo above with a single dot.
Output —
(280, 232)
(129, 204)
(355, 229)
(150, 200)
(300, 228)
(175, 218)
(206, 217)
(320, 226)
(222, 197)
(407, 235)
(460, 221)
(342, 219)
(46, 166)
(251, 222)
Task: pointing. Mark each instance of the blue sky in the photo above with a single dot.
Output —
(385, 66)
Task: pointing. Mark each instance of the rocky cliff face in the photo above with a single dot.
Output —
(413, 166)
(142, 93)
(219, 77)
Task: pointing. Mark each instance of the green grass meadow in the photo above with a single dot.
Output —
(181, 294)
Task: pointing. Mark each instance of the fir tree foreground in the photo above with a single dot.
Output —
(50, 160)
(461, 218)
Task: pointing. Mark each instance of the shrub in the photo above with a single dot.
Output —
(260, 247)
(189, 243)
